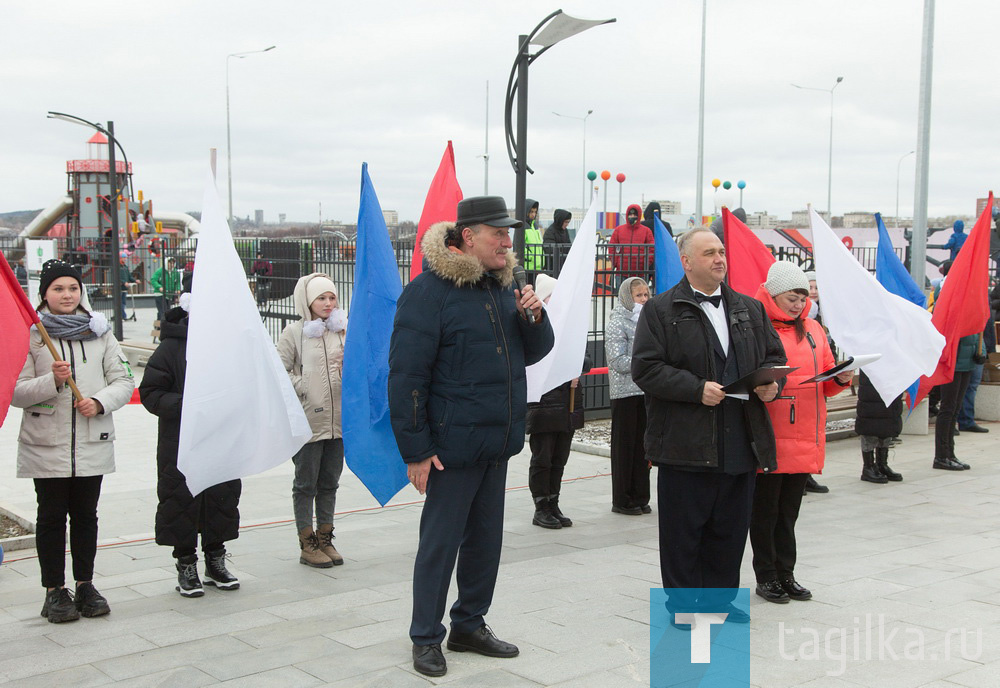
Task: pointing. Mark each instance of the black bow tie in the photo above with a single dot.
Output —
(714, 300)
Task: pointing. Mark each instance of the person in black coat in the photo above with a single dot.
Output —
(877, 425)
(556, 241)
(181, 517)
(461, 339)
(690, 342)
(550, 424)
(653, 209)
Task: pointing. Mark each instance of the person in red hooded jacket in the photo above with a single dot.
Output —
(631, 260)
(799, 421)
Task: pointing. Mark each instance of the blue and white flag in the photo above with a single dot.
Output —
(891, 274)
(669, 270)
(369, 445)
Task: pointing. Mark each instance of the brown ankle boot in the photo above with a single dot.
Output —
(325, 535)
(311, 554)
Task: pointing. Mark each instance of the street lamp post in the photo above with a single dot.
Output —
(229, 140)
(701, 121)
(897, 183)
(116, 279)
(829, 171)
(586, 183)
(554, 28)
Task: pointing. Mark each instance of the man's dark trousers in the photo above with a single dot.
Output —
(462, 517)
(704, 532)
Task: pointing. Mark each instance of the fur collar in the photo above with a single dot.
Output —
(458, 267)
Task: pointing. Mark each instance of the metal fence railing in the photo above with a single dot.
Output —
(290, 259)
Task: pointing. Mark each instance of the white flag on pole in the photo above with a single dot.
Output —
(569, 311)
(240, 414)
(863, 317)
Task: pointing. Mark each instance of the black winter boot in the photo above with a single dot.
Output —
(557, 512)
(543, 515)
(216, 572)
(188, 583)
(882, 462)
(59, 606)
(870, 473)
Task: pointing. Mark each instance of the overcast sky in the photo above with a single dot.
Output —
(389, 83)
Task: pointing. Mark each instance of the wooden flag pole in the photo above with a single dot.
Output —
(55, 355)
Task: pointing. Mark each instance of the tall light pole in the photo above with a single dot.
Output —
(901, 159)
(829, 170)
(229, 140)
(116, 281)
(701, 122)
(556, 27)
(918, 243)
(586, 182)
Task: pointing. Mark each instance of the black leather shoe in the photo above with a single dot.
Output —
(772, 591)
(955, 431)
(627, 510)
(975, 427)
(736, 615)
(813, 486)
(481, 641)
(794, 590)
(646, 509)
(948, 465)
(429, 660)
(964, 465)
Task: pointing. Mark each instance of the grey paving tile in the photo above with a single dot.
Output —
(261, 660)
(163, 659)
(177, 677)
(84, 676)
(352, 663)
(216, 626)
(87, 653)
(289, 677)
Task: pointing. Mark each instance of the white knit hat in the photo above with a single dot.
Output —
(811, 275)
(319, 285)
(784, 276)
(544, 286)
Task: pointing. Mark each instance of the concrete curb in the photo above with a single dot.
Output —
(20, 542)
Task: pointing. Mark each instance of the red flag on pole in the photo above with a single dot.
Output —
(962, 308)
(441, 204)
(747, 257)
(16, 319)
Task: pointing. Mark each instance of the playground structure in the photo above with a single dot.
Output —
(81, 219)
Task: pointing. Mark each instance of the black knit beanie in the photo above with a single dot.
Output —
(53, 270)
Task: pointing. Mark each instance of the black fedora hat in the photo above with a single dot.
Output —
(485, 210)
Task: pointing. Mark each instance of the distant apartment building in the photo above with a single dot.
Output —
(258, 217)
(670, 208)
(761, 220)
(391, 217)
(859, 220)
(800, 218)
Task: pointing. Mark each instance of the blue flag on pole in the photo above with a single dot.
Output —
(891, 274)
(668, 260)
(369, 445)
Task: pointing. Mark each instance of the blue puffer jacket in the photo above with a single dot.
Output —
(457, 355)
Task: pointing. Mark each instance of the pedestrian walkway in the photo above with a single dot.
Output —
(921, 558)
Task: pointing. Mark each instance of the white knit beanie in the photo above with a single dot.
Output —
(811, 275)
(319, 285)
(544, 286)
(784, 276)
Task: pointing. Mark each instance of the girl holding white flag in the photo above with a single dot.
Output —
(312, 351)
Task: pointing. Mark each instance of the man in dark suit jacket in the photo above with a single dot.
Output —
(690, 342)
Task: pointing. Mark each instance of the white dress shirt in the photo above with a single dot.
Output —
(716, 316)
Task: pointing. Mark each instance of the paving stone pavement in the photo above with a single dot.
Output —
(916, 561)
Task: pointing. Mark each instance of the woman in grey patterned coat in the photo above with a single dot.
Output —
(629, 468)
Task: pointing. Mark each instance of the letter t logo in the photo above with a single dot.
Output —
(701, 634)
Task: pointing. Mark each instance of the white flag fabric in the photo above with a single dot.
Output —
(569, 311)
(240, 414)
(863, 317)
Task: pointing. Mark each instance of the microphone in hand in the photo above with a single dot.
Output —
(521, 279)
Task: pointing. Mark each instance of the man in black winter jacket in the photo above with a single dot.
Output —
(690, 342)
(457, 398)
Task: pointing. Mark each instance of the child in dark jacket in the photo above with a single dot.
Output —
(550, 424)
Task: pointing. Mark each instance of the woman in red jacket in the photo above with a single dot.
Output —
(799, 420)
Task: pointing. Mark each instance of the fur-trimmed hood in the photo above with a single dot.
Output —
(451, 264)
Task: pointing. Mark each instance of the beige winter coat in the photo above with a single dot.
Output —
(315, 366)
(56, 441)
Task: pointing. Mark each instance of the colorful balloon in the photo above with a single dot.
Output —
(620, 177)
(605, 175)
(716, 183)
(727, 185)
(592, 175)
(741, 184)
